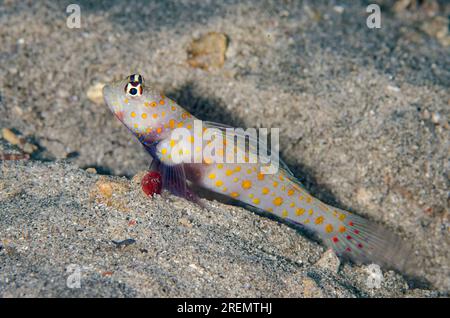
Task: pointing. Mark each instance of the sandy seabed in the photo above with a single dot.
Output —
(363, 115)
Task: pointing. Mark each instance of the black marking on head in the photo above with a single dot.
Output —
(136, 78)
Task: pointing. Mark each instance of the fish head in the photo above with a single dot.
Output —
(130, 101)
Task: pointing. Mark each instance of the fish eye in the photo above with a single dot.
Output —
(133, 89)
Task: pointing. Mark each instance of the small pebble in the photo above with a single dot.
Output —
(329, 261)
(95, 93)
(124, 243)
(435, 118)
(208, 52)
(10, 136)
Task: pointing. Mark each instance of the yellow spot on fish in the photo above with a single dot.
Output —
(153, 104)
(292, 205)
(246, 184)
(162, 102)
(306, 221)
(290, 192)
(275, 184)
(342, 217)
(265, 190)
(146, 104)
(219, 166)
(237, 169)
(133, 114)
(236, 179)
(329, 228)
(172, 143)
(149, 130)
(155, 115)
(234, 194)
(256, 201)
(144, 115)
(342, 229)
(219, 183)
(260, 176)
(228, 172)
(174, 108)
(310, 212)
(278, 201)
(299, 211)
(249, 171)
(180, 124)
(308, 199)
(319, 220)
(159, 130)
(284, 214)
(125, 100)
(164, 151)
(212, 176)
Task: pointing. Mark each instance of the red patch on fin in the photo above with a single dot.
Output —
(152, 183)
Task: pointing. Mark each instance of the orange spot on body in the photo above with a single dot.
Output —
(319, 220)
(246, 184)
(278, 201)
(219, 183)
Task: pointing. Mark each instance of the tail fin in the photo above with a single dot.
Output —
(363, 241)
